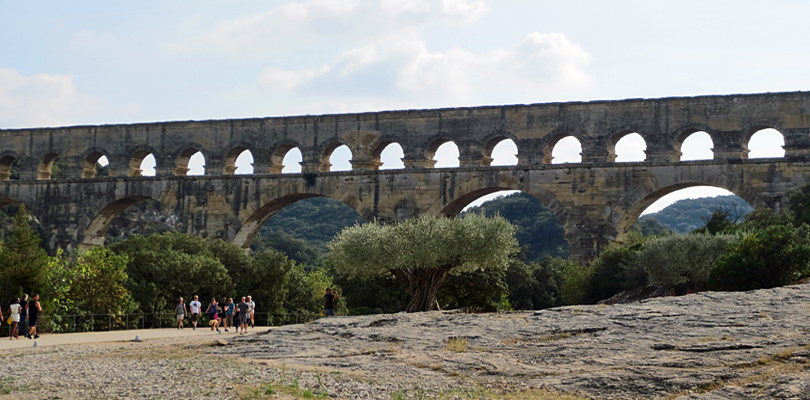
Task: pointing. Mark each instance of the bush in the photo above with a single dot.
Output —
(575, 281)
(681, 259)
(774, 256)
(608, 272)
(535, 286)
(480, 290)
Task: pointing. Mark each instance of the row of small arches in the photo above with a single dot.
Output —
(766, 143)
(629, 148)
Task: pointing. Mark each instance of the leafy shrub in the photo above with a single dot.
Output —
(608, 272)
(774, 256)
(575, 281)
(681, 259)
(535, 285)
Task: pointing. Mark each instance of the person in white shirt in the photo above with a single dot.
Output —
(15, 320)
(251, 309)
(195, 306)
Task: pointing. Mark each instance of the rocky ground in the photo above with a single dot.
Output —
(703, 346)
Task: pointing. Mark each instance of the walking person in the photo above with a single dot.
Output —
(251, 309)
(33, 313)
(24, 315)
(229, 314)
(15, 320)
(243, 316)
(196, 307)
(213, 314)
(180, 310)
(329, 304)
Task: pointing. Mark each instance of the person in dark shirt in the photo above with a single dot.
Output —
(243, 316)
(33, 313)
(24, 315)
(329, 306)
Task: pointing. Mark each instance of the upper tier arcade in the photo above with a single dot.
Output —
(664, 124)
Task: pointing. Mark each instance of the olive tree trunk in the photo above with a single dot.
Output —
(423, 285)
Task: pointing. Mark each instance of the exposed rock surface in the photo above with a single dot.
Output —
(709, 345)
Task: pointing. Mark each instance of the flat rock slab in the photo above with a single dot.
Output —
(711, 345)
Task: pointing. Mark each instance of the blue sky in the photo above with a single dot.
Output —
(64, 63)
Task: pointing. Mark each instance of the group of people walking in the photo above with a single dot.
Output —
(219, 314)
(23, 316)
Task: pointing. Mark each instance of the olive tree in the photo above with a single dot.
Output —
(423, 251)
(679, 259)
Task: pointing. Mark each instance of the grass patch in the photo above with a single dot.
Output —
(457, 344)
(555, 336)
(7, 386)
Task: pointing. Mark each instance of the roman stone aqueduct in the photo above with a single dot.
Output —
(596, 200)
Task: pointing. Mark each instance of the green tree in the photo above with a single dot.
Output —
(98, 283)
(774, 256)
(762, 218)
(162, 268)
(24, 264)
(650, 227)
(268, 284)
(369, 294)
(481, 290)
(306, 290)
(575, 281)
(800, 205)
(681, 259)
(607, 274)
(535, 285)
(423, 251)
(536, 227)
(297, 249)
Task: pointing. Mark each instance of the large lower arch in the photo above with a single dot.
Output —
(548, 199)
(257, 217)
(635, 202)
(98, 225)
(99, 214)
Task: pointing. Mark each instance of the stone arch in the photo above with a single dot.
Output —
(277, 155)
(381, 147)
(549, 156)
(7, 161)
(136, 159)
(753, 130)
(45, 169)
(687, 133)
(182, 157)
(328, 148)
(629, 209)
(548, 199)
(617, 137)
(101, 213)
(254, 218)
(430, 150)
(496, 140)
(470, 191)
(89, 161)
(229, 159)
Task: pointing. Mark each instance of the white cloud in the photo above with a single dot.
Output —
(276, 79)
(41, 100)
(87, 40)
(402, 63)
(297, 24)
(463, 12)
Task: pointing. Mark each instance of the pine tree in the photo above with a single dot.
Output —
(23, 263)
